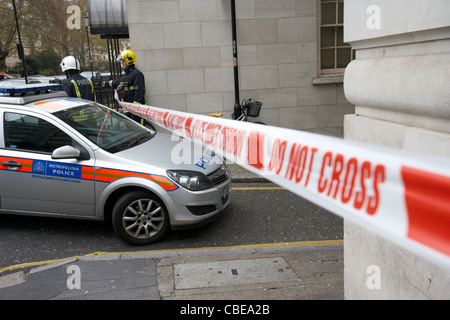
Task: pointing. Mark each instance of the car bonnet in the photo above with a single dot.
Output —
(172, 153)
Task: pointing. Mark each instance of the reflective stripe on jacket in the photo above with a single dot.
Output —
(80, 87)
(77, 90)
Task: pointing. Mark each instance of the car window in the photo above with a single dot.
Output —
(29, 133)
(108, 129)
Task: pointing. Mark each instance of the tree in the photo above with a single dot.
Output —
(30, 65)
(48, 62)
(43, 27)
(47, 26)
(7, 30)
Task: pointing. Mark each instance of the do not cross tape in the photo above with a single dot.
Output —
(402, 196)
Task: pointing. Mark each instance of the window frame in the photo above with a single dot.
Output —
(22, 114)
(330, 72)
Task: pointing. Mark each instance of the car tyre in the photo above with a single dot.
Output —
(140, 218)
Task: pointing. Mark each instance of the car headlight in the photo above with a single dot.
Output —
(191, 180)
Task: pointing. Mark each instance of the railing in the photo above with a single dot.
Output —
(104, 95)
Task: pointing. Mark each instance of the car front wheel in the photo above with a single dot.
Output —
(140, 218)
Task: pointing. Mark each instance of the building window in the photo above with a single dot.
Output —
(334, 54)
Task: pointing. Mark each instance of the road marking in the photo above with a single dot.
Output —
(247, 246)
(32, 264)
(258, 188)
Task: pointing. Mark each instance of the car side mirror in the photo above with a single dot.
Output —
(66, 152)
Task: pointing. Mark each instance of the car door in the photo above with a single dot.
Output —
(30, 180)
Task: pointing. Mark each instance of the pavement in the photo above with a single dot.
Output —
(270, 272)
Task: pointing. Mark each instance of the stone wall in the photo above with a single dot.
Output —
(184, 50)
(399, 85)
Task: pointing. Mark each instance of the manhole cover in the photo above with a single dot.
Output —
(232, 272)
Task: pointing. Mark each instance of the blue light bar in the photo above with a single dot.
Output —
(21, 89)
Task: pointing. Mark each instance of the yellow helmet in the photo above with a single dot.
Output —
(127, 55)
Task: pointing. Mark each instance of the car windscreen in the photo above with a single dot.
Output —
(108, 129)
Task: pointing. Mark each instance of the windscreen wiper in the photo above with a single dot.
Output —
(135, 142)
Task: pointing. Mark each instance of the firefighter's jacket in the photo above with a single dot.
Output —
(78, 86)
(133, 85)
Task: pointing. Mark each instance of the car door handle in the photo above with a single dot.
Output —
(11, 164)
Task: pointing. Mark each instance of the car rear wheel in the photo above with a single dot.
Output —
(140, 218)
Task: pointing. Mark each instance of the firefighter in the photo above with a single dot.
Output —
(76, 85)
(131, 86)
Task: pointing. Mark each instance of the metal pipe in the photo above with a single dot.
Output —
(237, 106)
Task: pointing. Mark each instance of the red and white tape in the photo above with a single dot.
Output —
(401, 196)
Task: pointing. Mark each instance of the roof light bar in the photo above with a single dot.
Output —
(21, 89)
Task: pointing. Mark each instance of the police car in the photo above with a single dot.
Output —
(72, 158)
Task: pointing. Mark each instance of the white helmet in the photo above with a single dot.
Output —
(69, 63)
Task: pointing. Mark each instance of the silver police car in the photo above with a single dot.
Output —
(72, 158)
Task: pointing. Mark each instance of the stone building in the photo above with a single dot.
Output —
(291, 57)
(399, 86)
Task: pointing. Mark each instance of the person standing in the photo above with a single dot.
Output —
(131, 86)
(76, 85)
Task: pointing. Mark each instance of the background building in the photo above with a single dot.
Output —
(291, 57)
